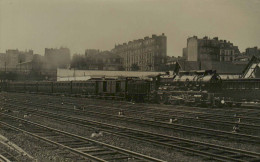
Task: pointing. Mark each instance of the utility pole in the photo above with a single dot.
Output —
(5, 67)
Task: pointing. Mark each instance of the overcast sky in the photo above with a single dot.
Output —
(100, 24)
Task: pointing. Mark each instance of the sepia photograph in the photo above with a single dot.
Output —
(129, 80)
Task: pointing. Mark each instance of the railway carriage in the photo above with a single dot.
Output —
(16, 86)
(237, 91)
(3, 86)
(84, 88)
(202, 88)
(63, 87)
(31, 87)
(45, 87)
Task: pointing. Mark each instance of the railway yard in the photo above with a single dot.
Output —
(38, 127)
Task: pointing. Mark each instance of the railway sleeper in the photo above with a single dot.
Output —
(117, 158)
(89, 147)
(104, 153)
(186, 145)
(241, 157)
(80, 145)
(164, 140)
(70, 156)
(92, 150)
(69, 142)
(221, 152)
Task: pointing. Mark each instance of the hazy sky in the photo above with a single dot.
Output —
(100, 24)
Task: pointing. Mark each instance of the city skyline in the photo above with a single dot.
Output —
(101, 24)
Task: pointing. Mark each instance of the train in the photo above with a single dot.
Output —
(196, 88)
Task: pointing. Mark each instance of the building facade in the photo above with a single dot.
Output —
(254, 51)
(91, 52)
(104, 60)
(57, 57)
(185, 53)
(148, 54)
(36, 69)
(207, 49)
(10, 59)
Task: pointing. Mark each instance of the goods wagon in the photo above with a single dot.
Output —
(139, 90)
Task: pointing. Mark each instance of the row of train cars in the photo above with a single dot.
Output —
(197, 88)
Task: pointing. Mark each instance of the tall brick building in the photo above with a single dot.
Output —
(206, 49)
(148, 54)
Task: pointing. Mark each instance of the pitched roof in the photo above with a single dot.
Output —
(253, 60)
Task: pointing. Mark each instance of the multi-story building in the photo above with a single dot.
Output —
(207, 49)
(104, 60)
(2, 62)
(10, 59)
(254, 51)
(148, 54)
(36, 69)
(227, 54)
(57, 57)
(91, 52)
(185, 53)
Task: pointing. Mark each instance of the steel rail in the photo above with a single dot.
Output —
(199, 148)
(130, 154)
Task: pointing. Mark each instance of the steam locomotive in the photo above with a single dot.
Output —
(206, 88)
(190, 88)
(201, 88)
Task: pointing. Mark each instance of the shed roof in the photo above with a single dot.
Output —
(220, 67)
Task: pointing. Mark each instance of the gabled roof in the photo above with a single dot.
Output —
(253, 60)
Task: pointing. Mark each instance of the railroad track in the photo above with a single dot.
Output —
(5, 156)
(165, 141)
(159, 114)
(162, 118)
(173, 111)
(197, 148)
(176, 127)
(9, 152)
(81, 148)
(172, 126)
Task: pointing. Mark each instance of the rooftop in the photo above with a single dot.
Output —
(220, 67)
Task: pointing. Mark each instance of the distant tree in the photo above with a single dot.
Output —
(135, 67)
